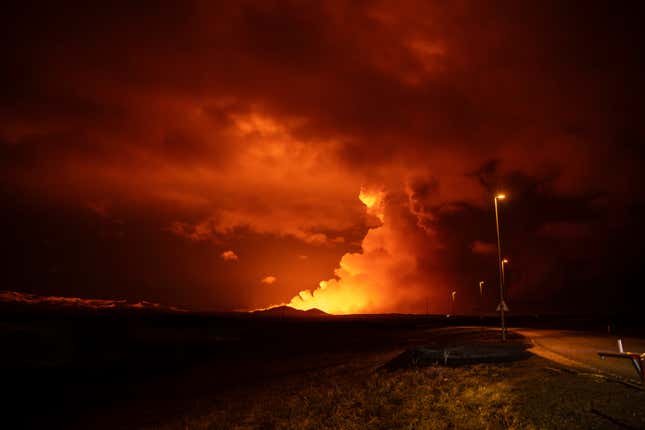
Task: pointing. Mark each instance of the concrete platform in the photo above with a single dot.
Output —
(462, 346)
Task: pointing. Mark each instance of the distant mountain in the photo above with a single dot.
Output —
(288, 311)
(53, 302)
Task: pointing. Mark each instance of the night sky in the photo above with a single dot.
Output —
(229, 155)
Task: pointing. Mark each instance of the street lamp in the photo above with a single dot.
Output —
(500, 267)
(481, 298)
(452, 296)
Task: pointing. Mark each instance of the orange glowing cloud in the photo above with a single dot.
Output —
(277, 184)
(229, 255)
(269, 280)
(374, 201)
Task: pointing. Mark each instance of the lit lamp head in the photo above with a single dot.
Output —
(505, 261)
(500, 196)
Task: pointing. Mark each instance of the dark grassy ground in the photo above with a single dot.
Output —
(133, 370)
(529, 394)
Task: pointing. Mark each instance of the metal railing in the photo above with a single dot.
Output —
(638, 360)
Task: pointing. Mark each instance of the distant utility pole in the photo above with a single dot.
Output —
(481, 303)
(504, 263)
(452, 296)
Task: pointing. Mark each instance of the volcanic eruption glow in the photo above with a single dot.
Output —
(370, 281)
(350, 292)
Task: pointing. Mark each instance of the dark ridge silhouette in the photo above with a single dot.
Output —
(19, 299)
(288, 311)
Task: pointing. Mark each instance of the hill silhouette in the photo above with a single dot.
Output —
(53, 303)
(288, 311)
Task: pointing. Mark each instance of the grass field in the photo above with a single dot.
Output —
(529, 394)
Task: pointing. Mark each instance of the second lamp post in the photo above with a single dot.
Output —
(500, 268)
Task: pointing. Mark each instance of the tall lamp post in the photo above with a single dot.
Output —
(500, 267)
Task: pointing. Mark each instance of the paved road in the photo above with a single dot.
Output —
(580, 349)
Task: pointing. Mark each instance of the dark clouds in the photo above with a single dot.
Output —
(258, 123)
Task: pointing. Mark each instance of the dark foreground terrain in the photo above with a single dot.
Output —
(82, 369)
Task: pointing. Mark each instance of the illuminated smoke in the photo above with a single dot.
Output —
(269, 280)
(375, 202)
(229, 255)
(384, 277)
